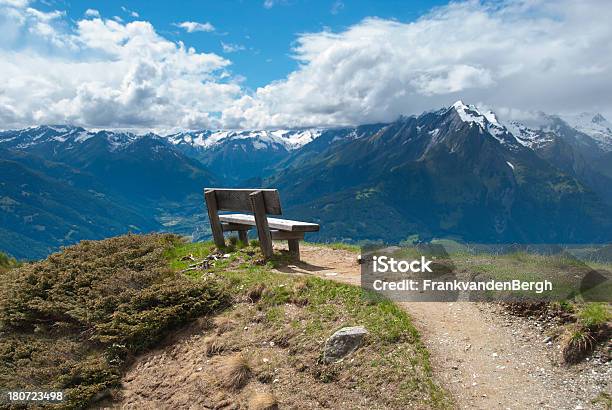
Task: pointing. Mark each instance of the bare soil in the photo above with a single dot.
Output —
(484, 356)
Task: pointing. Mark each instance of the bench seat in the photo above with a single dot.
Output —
(274, 223)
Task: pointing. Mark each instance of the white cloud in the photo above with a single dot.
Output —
(268, 4)
(530, 55)
(231, 48)
(132, 13)
(92, 13)
(513, 56)
(337, 7)
(103, 73)
(14, 3)
(191, 26)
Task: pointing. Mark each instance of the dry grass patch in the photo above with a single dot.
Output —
(214, 346)
(263, 401)
(234, 372)
(224, 324)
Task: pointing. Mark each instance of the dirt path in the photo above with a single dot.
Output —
(484, 357)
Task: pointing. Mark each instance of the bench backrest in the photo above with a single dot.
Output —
(237, 200)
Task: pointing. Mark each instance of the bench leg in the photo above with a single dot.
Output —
(244, 237)
(294, 248)
(213, 216)
(261, 220)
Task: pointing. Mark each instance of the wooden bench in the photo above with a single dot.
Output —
(260, 203)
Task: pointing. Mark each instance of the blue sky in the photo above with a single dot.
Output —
(161, 65)
(266, 30)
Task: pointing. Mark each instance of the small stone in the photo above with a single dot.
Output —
(343, 342)
(547, 339)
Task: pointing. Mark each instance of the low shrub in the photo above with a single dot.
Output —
(72, 321)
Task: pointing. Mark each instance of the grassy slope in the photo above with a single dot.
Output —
(75, 320)
(394, 357)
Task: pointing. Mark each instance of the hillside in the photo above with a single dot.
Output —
(62, 185)
(44, 205)
(117, 321)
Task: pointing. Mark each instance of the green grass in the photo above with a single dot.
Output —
(594, 314)
(340, 246)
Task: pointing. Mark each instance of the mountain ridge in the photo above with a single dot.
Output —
(456, 172)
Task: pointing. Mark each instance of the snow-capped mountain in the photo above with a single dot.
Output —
(240, 155)
(595, 126)
(459, 171)
(454, 172)
(57, 139)
(258, 139)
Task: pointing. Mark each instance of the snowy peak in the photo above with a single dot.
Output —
(263, 139)
(486, 120)
(470, 113)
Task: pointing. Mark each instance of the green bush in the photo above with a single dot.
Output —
(6, 262)
(71, 321)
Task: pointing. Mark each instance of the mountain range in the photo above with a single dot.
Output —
(458, 172)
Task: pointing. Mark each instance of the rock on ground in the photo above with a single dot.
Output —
(343, 342)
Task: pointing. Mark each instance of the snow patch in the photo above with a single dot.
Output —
(486, 121)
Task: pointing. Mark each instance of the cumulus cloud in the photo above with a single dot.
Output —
(103, 73)
(530, 55)
(192, 26)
